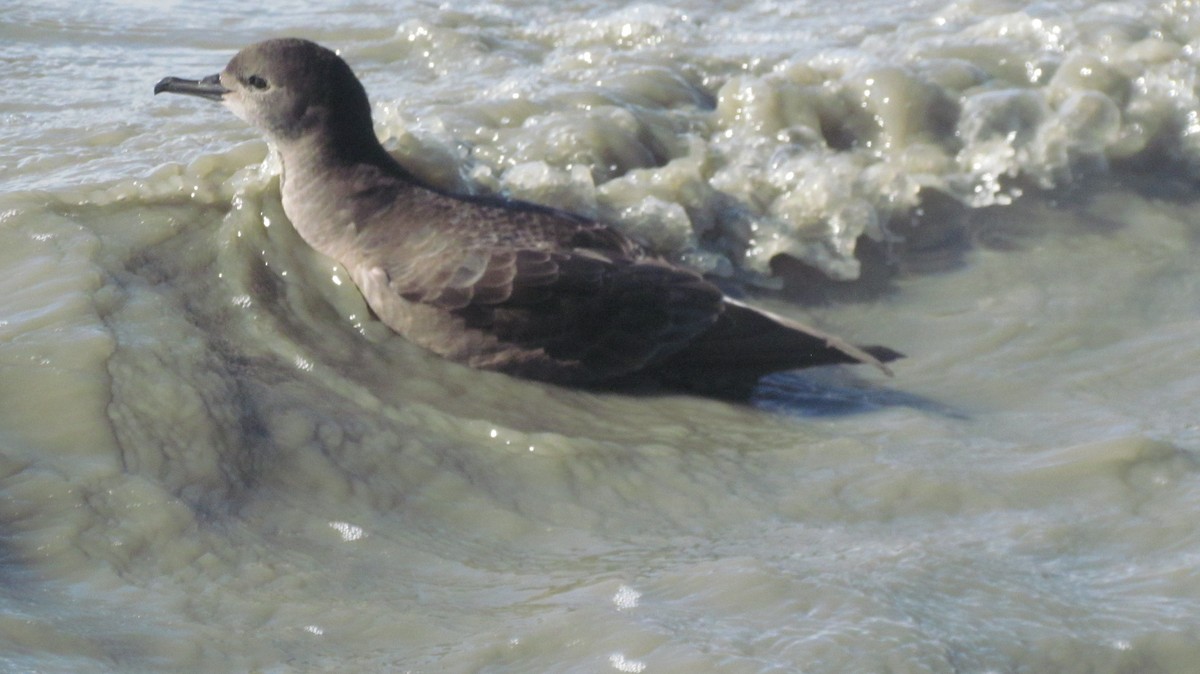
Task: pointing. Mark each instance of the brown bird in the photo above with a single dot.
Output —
(493, 283)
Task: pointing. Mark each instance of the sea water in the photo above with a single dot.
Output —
(212, 458)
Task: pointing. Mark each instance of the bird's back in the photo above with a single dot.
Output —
(526, 290)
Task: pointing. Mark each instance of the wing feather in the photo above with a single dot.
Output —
(598, 312)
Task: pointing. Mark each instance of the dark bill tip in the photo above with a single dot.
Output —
(209, 87)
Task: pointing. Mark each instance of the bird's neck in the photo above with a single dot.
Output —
(331, 190)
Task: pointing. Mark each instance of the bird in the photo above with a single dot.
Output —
(492, 282)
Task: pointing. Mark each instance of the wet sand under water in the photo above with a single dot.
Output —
(238, 475)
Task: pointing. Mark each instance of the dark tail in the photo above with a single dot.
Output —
(748, 343)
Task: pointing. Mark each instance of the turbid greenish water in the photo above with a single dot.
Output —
(213, 459)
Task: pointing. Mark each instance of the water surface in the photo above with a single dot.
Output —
(212, 459)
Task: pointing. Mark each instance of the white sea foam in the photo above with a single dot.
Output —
(756, 148)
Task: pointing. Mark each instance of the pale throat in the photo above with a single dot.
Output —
(314, 198)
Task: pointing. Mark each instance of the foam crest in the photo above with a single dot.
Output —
(801, 149)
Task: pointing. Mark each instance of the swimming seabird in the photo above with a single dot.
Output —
(494, 283)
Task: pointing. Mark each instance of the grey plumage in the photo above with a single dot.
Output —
(496, 284)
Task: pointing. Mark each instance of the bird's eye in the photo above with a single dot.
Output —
(256, 82)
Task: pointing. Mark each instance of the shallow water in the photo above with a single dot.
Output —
(211, 459)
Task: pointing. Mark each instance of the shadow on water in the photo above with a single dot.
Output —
(836, 392)
(940, 238)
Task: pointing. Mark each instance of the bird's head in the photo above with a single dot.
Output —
(288, 88)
